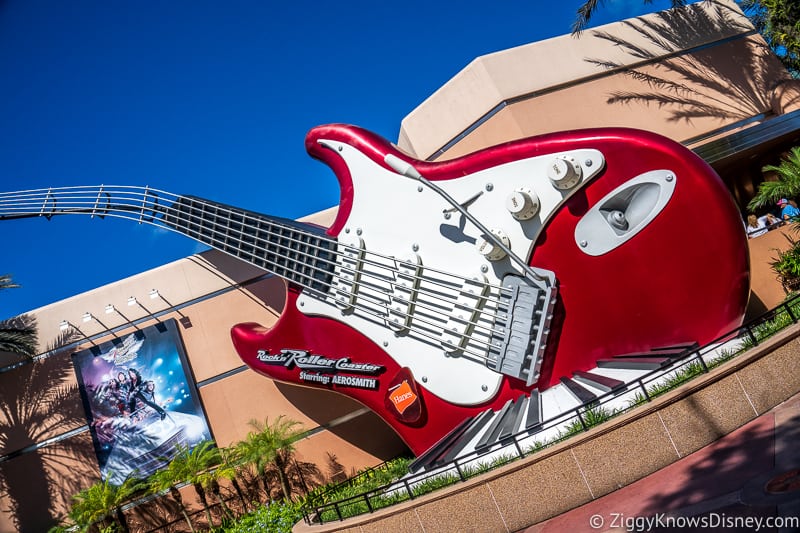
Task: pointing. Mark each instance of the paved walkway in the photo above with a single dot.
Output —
(748, 480)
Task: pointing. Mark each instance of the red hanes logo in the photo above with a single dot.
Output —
(404, 400)
(402, 397)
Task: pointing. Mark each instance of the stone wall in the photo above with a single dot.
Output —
(605, 458)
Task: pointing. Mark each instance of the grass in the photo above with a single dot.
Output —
(383, 496)
(781, 319)
(591, 417)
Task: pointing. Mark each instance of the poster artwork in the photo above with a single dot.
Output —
(140, 401)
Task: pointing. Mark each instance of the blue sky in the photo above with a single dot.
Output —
(213, 99)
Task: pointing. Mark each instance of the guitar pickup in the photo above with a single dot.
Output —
(347, 275)
(404, 294)
(462, 319)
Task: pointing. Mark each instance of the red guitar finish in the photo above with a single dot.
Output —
(684, 277)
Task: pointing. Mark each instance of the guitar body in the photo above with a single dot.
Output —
(671, 268)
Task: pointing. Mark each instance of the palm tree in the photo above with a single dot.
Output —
(254, 453)
(229, 469)
(777, 22)
(270, 448)
(225, 469)
(585, 12)
(205, 460)
(17, 335)
(192, 465)
(101, 501)
(168, 479)
(787, 184)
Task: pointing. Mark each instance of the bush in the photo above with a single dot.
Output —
(272, 518)
(787, 265)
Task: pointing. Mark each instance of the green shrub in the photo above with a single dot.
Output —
(787, 265)
(273, 518)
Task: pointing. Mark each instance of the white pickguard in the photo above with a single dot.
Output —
(397, 217)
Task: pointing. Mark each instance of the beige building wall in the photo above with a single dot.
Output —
(682, 73)
(623, 99)
(766, 289)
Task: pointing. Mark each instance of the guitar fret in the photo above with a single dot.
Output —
(144, 203)
(97, 201)
(47, 199)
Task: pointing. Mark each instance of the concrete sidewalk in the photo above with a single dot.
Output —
(753, 472)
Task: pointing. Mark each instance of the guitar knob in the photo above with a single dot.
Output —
(491, 251)
(564, 173)
(523, 204)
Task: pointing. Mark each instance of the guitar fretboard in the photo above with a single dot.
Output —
(283, 247)
(299, 253)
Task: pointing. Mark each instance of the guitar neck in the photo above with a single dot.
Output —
(299, 253)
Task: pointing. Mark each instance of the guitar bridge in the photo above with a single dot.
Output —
(521, 327)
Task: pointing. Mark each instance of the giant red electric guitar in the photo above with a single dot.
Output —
(444, 289)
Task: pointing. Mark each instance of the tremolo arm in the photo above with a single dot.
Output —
(403, 168)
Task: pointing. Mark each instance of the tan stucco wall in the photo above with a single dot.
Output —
(589, 104)
(766, 290)
(39, 483)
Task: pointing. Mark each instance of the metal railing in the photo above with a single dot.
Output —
(642, 390)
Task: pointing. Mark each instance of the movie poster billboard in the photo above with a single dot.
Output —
(140, 401)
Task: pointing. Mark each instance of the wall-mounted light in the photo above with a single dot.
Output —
(133, 301)
(185, 321)
(64, 325)
(88, 317)
(111, 309)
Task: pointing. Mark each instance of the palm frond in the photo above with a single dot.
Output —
(584, 15)
(787, 184)
(18, 335)
(6, 283)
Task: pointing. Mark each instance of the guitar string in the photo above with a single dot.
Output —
(100, 208)
(93, 198)
(279, 267)
(227, 238)
(140, 199)
(378, 302)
